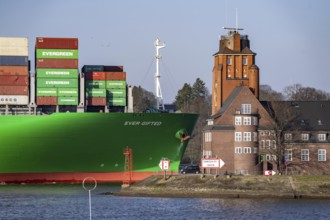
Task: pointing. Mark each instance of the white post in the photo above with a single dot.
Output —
(158, 92)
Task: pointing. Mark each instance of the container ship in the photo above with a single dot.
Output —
(62, 125)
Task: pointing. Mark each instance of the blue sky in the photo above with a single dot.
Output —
(291, 37)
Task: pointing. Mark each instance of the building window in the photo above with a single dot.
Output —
(208, 136)
(268, 157)
(228, 61)
(246, 120)
(288, 136)
(246, 108)
(262, 144)
(274, 144)
(255, 120)
(304, 137)
(267, 144)
(255, 150)
(238, 120)
(262, 133)
(304, 154)
(288, 155)
(322, 155)
(274, 157)
(238, 150)
(245, 61)
(322, 137)
(247, 150)
(238, 136)
(255, 136)
(247, 136)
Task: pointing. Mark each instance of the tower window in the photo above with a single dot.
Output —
(228, 61)
(244, 61)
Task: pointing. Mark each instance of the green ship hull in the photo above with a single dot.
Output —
(68, 147)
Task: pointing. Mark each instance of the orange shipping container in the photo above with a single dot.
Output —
(96, 101)
(47, 100)
(14, 80)
(115, 75)
(95, 76)
(56, 43)
(14, 90)
(14, 70)
(57, 63)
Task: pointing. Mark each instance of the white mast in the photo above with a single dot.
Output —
(158, 92)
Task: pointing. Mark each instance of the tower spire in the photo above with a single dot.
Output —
(158, 92)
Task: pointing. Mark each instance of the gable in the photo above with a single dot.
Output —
(232, 107)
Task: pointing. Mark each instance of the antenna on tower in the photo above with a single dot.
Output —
(236, 28)
(158, 92)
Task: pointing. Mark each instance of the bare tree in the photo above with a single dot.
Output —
(266, 93)
(297, 92)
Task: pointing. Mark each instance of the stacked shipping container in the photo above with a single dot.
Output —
(14, 73)
(57, 71)
(105, 85)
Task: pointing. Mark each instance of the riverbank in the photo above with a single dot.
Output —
(206, 186)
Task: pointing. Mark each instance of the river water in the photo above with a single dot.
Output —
(72, 202)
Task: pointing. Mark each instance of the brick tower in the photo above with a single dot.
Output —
(234, 65)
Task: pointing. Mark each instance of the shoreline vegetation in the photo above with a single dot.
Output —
(210, 186)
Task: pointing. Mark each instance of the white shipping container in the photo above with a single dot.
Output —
(14, 51)
(13, 42)
(14, 100)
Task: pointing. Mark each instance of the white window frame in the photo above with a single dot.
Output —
(208, 136)
(246, 136)
(288, 136)
(246, 109)
(247, 150)
(246, 120)
(238, 150)
(207, 153)
(262, 133)
(322, 137)
(262, 144)
(238, 120)
(274, 144)
(288, 154)
(273, 157)
(238, 136)
(268, 157)
(304, 154)
(304, 136)
(322, 155)
(267, 146)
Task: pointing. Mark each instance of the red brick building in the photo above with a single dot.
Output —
(247, 134)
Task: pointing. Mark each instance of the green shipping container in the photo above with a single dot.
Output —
(115, 84)
(65, 92)
(96, 93)
(57, 83)
(56, 54)
(67, 100)
(46, 92)
(57, 73)
(95, 84)
(116, 93)
(116, 101)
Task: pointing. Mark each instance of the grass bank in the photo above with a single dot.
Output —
(199, 186)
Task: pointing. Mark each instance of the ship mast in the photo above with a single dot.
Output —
(158, 91)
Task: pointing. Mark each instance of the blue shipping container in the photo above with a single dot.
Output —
(13, 61)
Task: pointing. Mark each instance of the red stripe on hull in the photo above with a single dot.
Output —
(69, 177)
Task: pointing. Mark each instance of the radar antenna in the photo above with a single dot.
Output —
(236, 28)
(158, 91)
